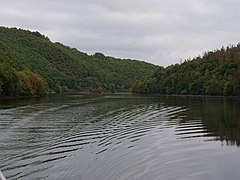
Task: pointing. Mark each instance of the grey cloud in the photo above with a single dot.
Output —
(161, 32)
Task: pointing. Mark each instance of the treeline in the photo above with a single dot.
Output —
(30, 58)
(215, 73)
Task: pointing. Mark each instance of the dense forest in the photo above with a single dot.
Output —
(30, 64)
(215, 73)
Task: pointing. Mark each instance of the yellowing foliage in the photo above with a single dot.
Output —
(32, 84)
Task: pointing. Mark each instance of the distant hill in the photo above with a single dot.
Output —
(215, 73)
(30, 64)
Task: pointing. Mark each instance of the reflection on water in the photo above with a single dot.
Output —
(120, 137)
(220, 116)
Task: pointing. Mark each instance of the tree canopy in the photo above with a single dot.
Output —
(215, 73)
(30, 64)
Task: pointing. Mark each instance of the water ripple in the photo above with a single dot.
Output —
(101, 139)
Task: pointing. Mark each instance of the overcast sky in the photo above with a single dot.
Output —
(158, 31)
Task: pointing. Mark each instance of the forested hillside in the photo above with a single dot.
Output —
(215, 73)
(30, 64)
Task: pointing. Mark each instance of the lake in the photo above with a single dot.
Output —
(118, 137)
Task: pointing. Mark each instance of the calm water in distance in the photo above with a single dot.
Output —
(120, 137)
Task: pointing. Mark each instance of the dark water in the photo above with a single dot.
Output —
(120, 137)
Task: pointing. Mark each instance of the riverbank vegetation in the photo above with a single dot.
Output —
(215, 73)
(30, 64)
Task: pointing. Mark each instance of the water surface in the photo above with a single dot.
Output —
(120, 137)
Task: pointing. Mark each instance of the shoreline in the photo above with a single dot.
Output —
(117, 93)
